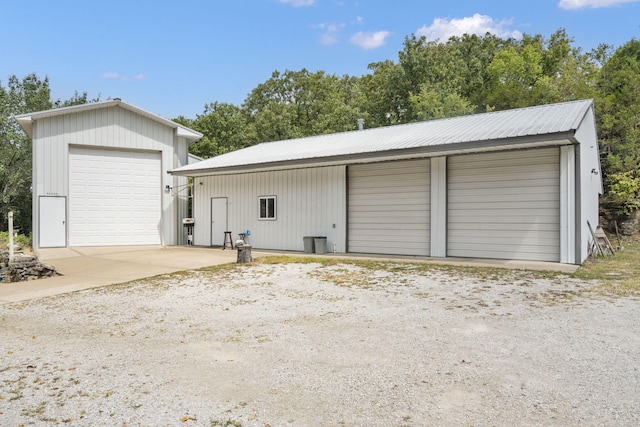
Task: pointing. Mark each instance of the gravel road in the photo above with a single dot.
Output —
(324, 345)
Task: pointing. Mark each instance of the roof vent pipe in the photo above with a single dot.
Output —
(360, 124)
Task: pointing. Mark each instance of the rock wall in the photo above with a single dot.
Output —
(24, 267)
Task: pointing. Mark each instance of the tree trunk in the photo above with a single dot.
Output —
(244, 254)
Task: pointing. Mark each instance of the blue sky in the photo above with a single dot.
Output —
(173, 57)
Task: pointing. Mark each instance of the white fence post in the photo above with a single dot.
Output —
(10, 233)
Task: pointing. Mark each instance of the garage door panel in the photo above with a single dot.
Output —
(389, 207)
(408, 200)
(545, 177)
(115, 197)
(504, 205)
(472, 226)
(401, 248)
(506, 247)
(539, 238)
(516, 217)
(509, 192)
(533, 255)
(512, 184)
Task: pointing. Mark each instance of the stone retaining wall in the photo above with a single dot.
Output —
(24, 267)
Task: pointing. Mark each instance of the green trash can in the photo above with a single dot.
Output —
(309, 244)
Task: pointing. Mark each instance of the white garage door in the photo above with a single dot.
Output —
(389, 208)
(505, 205)
(114, 197)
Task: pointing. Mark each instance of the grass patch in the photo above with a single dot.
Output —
(21, 239)
(225, 423)
(618, 274)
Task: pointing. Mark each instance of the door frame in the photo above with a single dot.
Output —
(42, 225)
(211, 217)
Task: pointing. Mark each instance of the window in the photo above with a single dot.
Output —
(267, 207)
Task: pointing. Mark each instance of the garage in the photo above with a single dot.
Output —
(114, 197)
(519, 184)
(100, 175)
(505, 205)
(389, 207)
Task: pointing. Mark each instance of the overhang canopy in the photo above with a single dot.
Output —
(539, 126)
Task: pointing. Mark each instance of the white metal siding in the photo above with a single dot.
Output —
(589, 185)
(389, 208)
(505, 205)
(309, 203)
(115, 197)
(112, 127)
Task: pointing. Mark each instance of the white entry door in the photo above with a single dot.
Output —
(53, 222)
(218, 220)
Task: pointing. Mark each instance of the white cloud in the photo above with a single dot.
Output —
(116, 76)
(580, 4)
(331, 31)
(369, 40)
(110, 75)
(442, 29)
(298, 3)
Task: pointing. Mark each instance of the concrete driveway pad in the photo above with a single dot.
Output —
(88, 267)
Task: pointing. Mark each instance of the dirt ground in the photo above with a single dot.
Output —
(324, 345)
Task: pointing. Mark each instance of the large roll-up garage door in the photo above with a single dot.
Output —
(114, 197)
(389, 208)
(505, 205)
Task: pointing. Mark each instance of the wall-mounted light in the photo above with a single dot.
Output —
(594, 171)
(167, 188)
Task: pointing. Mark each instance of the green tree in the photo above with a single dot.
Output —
(294, 104)
(454, 74)
(618, 108)
(20, 96)
(435, 104)
(536, 71)
(76, 99)
(386, 97)
(224, 128)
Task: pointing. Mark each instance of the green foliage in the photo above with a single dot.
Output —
(535, 71)
(618, 108)
(435, 104)
(625, 187)
(224, 127)
(618, 274)
(295, 104)
(21, 239)
(21, 96)
(385, 95)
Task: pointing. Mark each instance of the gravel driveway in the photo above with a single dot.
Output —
(324, 345)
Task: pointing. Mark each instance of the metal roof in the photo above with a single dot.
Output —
(553, 124)
(26, 120)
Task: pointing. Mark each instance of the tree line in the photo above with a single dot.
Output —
(429, 80)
